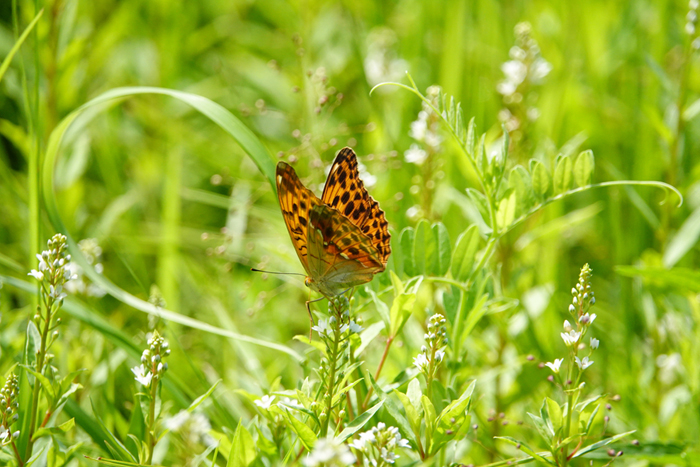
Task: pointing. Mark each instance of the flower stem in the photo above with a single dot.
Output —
(151, 422)
(41, 355)
(333, 362)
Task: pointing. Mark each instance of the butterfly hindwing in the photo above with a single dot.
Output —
(345, 192)
(340, 255)
(295, 201)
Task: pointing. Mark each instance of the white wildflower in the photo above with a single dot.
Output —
(322, 327)
(142, 375)
(570, 338)
(421, 362)
(554, 366)
(415, 155)
(594, 343)
(265, 402)
(355, 328)
(329, 452)
(583, 364)
(38, 275)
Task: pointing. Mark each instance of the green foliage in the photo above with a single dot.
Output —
(111, 119)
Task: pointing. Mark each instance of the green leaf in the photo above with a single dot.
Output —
(542, 428)
(540, 178)
(411, 412)
(43, 380)
(685, 239)
(428, 413)
(505, 215)
(563, 179)
(481, 204)
(527, 449)
(421, 246)
(519, 181)
(464, 255)
(555, 414)
(306, 435)
(15, 48)
(242, 449)
(676, 278)
(202, 398)
(393, 409)
(439, 250)
(406, 245)
(54, 430)
(583, 168)
(600, 444)
(368, 335)
(355, 426)
(401, 310)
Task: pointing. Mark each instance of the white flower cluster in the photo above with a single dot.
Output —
(329, 452)
(9, 403)
(81, 284)
(382, 62)
(324, 328)
(54, 268)
(526, 68)
(378, 445)
(425, 130)
(583, 299)
(153, 364)
(194, 427)
(433, 353)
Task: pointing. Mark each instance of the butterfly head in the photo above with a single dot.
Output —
(308, 281)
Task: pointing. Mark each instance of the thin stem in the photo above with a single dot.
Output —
(41, 355)
(151, 421)
(333, 362)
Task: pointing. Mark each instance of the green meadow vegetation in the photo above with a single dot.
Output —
(537, 164)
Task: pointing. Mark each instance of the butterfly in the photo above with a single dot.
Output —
(342, 239)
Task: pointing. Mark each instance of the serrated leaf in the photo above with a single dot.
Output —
(583, 168)
(563, 177)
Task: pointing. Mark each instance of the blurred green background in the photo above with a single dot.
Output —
(174, 202)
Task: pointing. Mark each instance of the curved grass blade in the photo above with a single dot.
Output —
(219, 115)
(15, 48)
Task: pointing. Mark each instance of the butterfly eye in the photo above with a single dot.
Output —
(307, 282)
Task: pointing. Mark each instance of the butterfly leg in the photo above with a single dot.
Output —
(311, 316)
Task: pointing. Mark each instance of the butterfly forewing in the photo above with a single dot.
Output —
(295, 201)
(345, 192)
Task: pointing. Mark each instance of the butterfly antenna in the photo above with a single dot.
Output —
(279, 273)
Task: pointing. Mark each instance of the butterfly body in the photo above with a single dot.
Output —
(342, 239)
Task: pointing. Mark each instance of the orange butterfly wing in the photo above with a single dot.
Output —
(345, 192)
(340, 256)
(295, 201)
